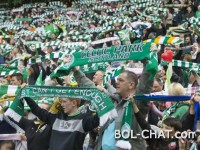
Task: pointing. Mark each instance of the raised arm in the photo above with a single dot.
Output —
(144, 87)
(42, 114)
(81, 78)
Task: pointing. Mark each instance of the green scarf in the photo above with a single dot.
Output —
(101, 101)
(126, 126)
(152, 65)
(172, 109)
(124, 52)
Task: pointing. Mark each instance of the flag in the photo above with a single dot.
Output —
(49, 30)
(9, 89)
(152, 65)
(25, 74)
(39, 81)
(124, 35)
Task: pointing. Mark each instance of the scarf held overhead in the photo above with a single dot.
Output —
(119, 53)
(101, 101)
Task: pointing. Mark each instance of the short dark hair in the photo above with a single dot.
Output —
(19, 77)
(160, 82)
(131, 76)
(173, 122)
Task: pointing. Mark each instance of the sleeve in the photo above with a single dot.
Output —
(156, 110)
(25, 124)
(22, 123)
(82, 80)
(144, 125)
(90, 122)
(142, 122)
(48, 70)
(111, 90)
(144, 87)
(42, 114)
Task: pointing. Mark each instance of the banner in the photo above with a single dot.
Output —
(119, 53)
(101, 101)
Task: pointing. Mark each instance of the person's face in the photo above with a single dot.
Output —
(181, 36)
(21, 64)
(162, 106)
(67, 105)
(156, 87)
(7, 146)
(195, 47)
(192, 78)
(4, 81)
(115, 43)
(117, 25)
(144, 31)
(189, 9)
(164, 78)
(12, 42)
(14, 81)
(92, 26)
(197, 97)
(187, 57)
(49, 50)
(12, 54)
(161, 73)
(187, 40)
(98, 77)
(53, 36)
(30, 71)
(166, 130)
(123, 85)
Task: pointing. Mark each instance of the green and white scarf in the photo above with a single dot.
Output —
(182, 64)
(126, 126)
(8, 72)
(119, 53)
(100, 101)
(9, 89)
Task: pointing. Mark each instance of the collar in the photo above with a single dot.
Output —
(75, 114)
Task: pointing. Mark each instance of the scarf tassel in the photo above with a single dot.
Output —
(11, 113)
(123, 144)
(18, 129)
(109, 115)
